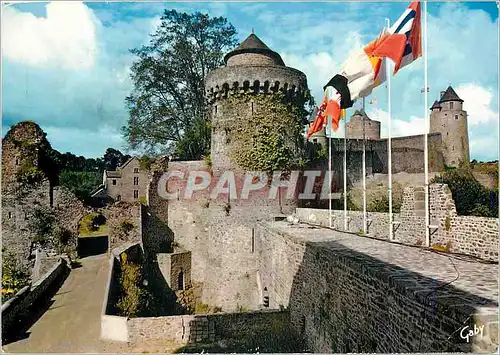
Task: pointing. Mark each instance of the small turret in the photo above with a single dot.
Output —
(361, 122)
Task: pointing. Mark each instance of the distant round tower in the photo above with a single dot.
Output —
(448, 118)
(355, 126)
(254, 69)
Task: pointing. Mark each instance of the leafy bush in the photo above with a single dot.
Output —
(14, 276)
(42, 225)
(381, 204)
(29, 174)
(146, 162)
(471, 198)
(130, 282)
(126, 226)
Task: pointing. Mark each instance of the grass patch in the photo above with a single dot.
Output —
(92, 224)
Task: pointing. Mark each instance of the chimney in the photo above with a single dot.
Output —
(441, 96)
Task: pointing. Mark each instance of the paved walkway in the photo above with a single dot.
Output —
(72, 322)
(467, 276)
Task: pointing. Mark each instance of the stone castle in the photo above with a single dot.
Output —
(448, 142)
(326, 288)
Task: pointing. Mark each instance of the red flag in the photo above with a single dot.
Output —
(403, 42)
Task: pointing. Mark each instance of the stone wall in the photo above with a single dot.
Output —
(188, 329)
(17, 211)
(474, 236)
(156, 234)
(207, 226)
(176, 269)
(407, 156)
(124, 223)
(343, 299)
(19, 304)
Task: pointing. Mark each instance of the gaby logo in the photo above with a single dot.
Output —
(250, 182)
(467, 333)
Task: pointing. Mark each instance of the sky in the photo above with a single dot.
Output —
(65, 65)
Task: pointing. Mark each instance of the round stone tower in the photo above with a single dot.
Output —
(448, 118)
(254, 69)
(355, 126)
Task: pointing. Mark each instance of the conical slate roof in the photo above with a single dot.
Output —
(253, 44)
(361, 113)
(435, 105)
(450, 95)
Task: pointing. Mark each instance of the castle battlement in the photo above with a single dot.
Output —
(254, 79)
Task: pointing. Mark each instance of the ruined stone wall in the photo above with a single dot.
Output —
(171, 266)
(69, 210)
(124, 223)
(17, 211)
(343, 300)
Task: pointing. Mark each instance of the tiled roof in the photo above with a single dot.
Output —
(450, 95)
(253, 44)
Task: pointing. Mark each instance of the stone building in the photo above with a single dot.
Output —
(361, 126)
(127, 183)
(447, 140)
(448, 118)
(204, 225)
(252, 69)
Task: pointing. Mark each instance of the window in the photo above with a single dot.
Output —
(253, 240)
(252, 107)
(456, 117)
(180, 281)
(215, 109)
(136, 193)
(136, 180)
(136, 170)
(114, 182)
(118, 198)
(315, 140)
(451, 105)
(17, 161)
(10, 215)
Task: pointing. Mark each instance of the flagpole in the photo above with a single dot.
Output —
(329, 125)
(345, 172)
(389, 143)
(364, 169)
(426, 154)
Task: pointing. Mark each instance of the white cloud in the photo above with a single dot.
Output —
(78, 139)
(477, 102)
(65, 37)
(399, 128)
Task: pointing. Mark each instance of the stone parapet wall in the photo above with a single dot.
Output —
(346, 294)
(474, 236)
(20, 303)
(189, 329)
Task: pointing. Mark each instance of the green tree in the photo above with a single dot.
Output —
(81, 183)
(167, 105)
(471, 198)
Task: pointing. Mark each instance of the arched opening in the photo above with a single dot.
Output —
(180, 281)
